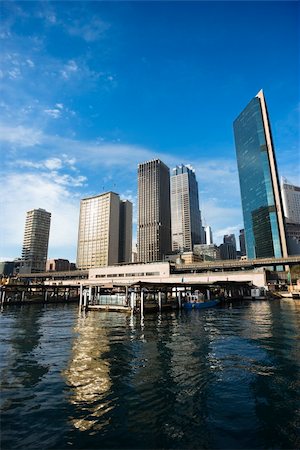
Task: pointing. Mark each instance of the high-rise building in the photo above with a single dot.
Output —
(261, 199)
(291, 205)
(185, 213)
(125, 231)
(208, 235)
(291, 201)
(228, 248)
(100, 229)
(242, 242)
(154, 217)
(36, 239)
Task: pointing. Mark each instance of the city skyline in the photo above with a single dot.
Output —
(132, 82)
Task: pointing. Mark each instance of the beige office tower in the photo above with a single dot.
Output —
(154, 216)
(36, 239)
(185, 212)
(99, 231)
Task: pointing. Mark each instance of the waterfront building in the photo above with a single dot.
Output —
(7, 268)
(154, 216)
(208, 252)
(59, 265)
(260, 194)
(242, 242)
(99, 231)
(36, 240)
(208, 235)
(185, 213)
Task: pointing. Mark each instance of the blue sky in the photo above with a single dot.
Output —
(90, 89)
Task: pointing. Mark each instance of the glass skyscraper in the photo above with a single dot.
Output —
(260, 193)
(185, 213)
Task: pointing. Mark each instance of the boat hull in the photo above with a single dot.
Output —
(204, 305)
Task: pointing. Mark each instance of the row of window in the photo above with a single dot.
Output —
(115, 275)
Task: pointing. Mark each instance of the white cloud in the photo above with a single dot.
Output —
(53, 163)
(30, 63)
(70, 68)
(19, 135)
(55, 113)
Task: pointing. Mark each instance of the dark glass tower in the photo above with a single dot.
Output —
(261, 200)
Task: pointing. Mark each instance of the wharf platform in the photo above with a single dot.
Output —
(119, 308)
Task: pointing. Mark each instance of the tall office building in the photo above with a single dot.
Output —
(154, 217)
(228, 248)
(125, 231)
(208, 235)
(100, 229)
(291, 201)
(36, 239)
(185, 213)
(261, 200)
(291, 206)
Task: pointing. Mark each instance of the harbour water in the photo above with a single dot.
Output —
(209, 379)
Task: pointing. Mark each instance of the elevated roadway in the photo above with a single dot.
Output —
(232, 264)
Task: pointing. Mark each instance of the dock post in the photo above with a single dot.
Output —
(132, 298)
(23, 295)
(85, 299)
(208, 294)
(80, 296)
(46, 294)
(3, 296)
(179, 300)
(159, 300)
(142, 303)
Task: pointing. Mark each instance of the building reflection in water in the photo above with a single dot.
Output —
(88, 374)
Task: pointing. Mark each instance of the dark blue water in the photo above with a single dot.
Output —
(218, 378)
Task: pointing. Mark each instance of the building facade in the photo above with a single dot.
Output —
(260, 194)
(125, 231)
(208, 252)
(99, 231)
(185, 213)
(154, 216)
(36, 240)
(291, 206)
(59, 265)
(242, 242)
(208, 235)
(291, 201)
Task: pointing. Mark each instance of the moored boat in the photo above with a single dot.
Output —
(201, 305)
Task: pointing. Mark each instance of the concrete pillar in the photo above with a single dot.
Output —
(23, 295)
(46, 295)
(132, 300)
(208, 294)
(90, 295)
(3, 296)
(159, 301)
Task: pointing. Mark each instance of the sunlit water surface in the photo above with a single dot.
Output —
(218, 378)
